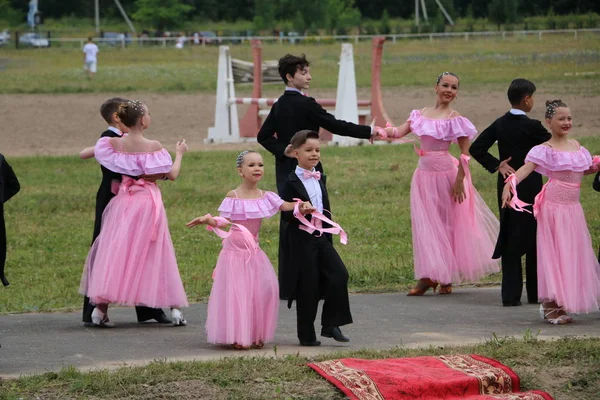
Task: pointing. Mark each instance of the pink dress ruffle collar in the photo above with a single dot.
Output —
(133, 164)
(448, 129)
(237, 209)
(549, 159)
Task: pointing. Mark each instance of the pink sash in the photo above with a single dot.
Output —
(130, 186)
(317, 217)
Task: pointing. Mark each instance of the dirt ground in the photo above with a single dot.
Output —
(64, 124)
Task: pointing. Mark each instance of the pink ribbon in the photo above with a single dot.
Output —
(515, 203)
(423, 153)
(537, 204)
(249, 240)
(130, 186)
(310, 227)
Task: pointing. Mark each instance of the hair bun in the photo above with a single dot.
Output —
(557, 101)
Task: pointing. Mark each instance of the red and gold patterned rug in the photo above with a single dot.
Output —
(470, 377)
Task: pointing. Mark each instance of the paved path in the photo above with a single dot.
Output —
(36, 343)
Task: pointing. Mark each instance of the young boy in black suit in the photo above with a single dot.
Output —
(9, 186)
(294, 112)
(516, 134)
(313, 269)
(108, 110)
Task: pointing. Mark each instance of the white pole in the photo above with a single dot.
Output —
(424, 11)
(439, 3)
(97, 6)
(124, 14)
(417, 12)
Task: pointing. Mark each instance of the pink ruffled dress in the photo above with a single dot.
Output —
(132, 262)
(244, 301)
(568, 270)
(452, 242)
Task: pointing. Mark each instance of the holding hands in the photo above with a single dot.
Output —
(306, 208)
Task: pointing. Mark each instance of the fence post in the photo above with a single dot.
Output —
(394, 39)
(503, 34)
(356, 39)
(575, 34)
(466, 36)
(430, 38)
(16, 39)
(540, 35)
(49, 37)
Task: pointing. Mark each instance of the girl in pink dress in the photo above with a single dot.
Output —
(132, 262)
(454, 232)
(568, 271)
(244, 300)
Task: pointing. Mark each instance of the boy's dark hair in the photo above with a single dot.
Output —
(289, 64)
(110, 106)
(301, 137)
(518, 89)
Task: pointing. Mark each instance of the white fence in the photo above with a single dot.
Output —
(171, 41)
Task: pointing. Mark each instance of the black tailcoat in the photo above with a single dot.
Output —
(516, 136)
(9, 186)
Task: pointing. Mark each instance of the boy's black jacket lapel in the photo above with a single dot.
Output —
(299, 186)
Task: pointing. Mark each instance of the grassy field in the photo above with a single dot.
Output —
(407, 62)
(50, 222)
(569, 369)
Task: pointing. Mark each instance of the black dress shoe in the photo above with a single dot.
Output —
(335, 333)
(311, 343)
(511, 303)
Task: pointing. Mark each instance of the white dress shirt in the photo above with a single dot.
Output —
(115, 130)
(514, 111)
(313, 188)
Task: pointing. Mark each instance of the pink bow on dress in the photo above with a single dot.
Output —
(309, 174)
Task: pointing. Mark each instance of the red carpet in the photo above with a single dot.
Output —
(454, 377)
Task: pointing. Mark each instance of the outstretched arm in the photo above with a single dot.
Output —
(86, 153)
(518, 176)
(204, 220)
(321, 117)
(392, 132)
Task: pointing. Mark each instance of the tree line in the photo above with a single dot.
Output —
(302, 15)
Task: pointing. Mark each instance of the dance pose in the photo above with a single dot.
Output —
(294, 112)
(108, 111)
(567, 268)
(132, 261)
(516, 135)
(313, 269)
(453, 230)
(244, 300)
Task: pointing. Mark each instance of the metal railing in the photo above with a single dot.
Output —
(189, 40)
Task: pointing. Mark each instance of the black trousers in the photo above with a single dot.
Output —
(512, 276)
(323, 273)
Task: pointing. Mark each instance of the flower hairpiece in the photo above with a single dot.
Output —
(240, 158)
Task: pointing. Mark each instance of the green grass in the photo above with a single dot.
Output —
(569, 369)
(405, 63)
(50, 222)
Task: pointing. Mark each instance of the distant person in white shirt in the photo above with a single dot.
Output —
(90, 51)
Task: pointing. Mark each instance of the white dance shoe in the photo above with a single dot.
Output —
(177, 318)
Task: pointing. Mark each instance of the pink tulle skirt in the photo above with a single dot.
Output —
(244, 301)
(132, 262)
(568, 270)
(452, 242)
